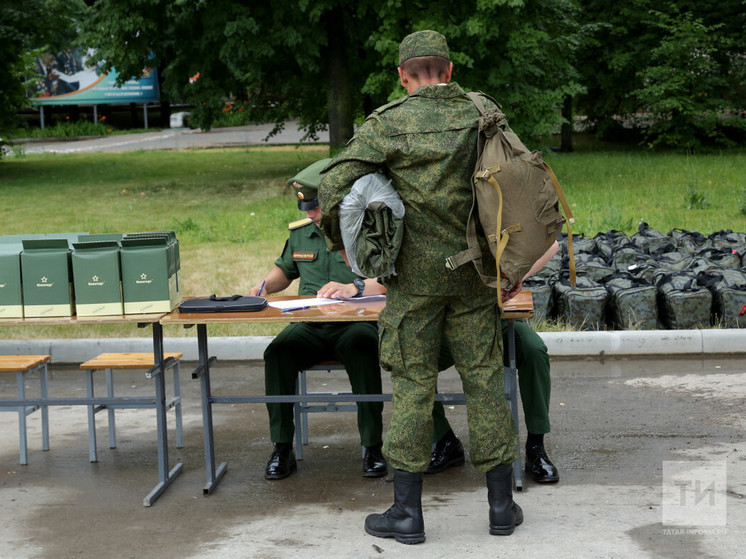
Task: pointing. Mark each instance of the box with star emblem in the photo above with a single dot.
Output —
(11, 292)
(46, 278)
(97, 278)
(150, 272)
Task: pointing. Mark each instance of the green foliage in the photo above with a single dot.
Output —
(684, 84)
(292, 59)
(521, 53)
(671, 73)
(25, 27)
(695, 199)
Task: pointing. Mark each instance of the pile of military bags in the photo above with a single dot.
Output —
(648, 280)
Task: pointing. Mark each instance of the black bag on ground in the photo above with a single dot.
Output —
(650, 240)
(233, 303)
(584, 305)
(632, 303)
(541, 294)
(721, 257)
(728, 295)
(683, 302)
(689, 242)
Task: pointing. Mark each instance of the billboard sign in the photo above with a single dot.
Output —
(70, 78)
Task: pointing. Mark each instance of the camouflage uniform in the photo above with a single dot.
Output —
(534, 380)
(426, 144)
(301, 345)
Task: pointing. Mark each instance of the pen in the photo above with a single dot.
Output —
(296, 309)
(261, 288)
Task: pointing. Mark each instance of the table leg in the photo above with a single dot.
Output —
(165, 477)
(92, 449)
(512, 389)
(213, 476)
(44, 377)
(22, 411)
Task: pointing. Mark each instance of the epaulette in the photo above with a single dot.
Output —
(390, 105)
(299, 223)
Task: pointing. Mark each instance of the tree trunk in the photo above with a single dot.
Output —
(339, 99)
(566, 131)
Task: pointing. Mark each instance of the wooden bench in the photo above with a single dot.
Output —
(23, 365)
(110, 361)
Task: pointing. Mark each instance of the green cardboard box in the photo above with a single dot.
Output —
(97, 278)
(46, 278)
(11, 290)
(150, 280)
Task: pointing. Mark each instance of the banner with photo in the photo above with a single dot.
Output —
(75, 78)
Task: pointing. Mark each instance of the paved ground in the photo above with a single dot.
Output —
(616, 424)
(174, 138)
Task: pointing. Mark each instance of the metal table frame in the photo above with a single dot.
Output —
(215, 474)
(157, 373)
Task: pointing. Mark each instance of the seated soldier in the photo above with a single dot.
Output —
(301, 345)
(535, 386)
(534, 381)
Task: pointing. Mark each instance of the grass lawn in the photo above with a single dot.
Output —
(230, 208)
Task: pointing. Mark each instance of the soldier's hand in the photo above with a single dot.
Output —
(335, 290)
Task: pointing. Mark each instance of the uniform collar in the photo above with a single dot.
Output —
(439, 91)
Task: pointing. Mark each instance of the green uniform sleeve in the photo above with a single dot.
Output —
(361, 156)
(286, 264)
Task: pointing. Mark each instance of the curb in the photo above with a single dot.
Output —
(626, 343)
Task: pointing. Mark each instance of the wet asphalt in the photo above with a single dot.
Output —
(616, 424)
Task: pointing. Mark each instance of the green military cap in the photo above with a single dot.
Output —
(423, 43)
(306, 185)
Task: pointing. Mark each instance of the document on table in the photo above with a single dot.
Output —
(317, 301)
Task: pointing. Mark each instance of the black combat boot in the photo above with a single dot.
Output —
(505, 514)
(403, 521)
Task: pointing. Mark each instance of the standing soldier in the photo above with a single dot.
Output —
(426, 143)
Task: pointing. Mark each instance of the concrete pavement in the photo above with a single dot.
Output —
(618, 425)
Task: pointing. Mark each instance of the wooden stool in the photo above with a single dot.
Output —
(23, 365)
(110, 361)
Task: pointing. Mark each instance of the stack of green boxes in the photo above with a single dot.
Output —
(60, 275)
(97, 275)
(150, 272)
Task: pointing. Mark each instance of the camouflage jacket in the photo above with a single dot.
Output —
(426, 144)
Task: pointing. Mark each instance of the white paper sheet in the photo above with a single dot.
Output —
(316, 301)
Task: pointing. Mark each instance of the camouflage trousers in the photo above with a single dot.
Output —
(411, 327)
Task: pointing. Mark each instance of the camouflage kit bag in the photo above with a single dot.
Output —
(730, 240)
(630, 259)
(541, 294)
(584, 305)
(690, 242)
(683, 303)
(515, 201)
(650, 240)
(610, 242)
(721, 257)
(593, 267)
(729, 295)
(632, 303)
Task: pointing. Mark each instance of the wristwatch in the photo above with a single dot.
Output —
(360, 284)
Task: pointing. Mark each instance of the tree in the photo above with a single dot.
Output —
(519, 52)
(679, 64)
(331, 61)
(26, 31)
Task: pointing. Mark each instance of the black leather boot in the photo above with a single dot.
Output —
(403, 521)
(505, 514)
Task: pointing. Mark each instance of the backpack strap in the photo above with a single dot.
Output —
(570, 220)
